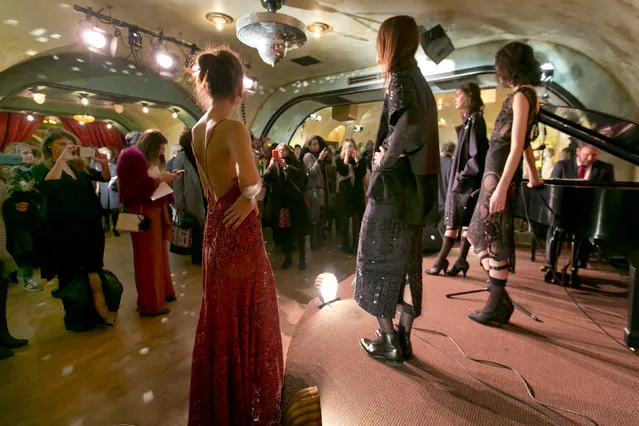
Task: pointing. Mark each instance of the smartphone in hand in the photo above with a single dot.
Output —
(87, 152)
(276, 155)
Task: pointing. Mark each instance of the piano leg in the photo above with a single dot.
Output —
(632, 331)
(574, 257)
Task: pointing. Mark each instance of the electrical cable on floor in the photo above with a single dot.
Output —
(577, 304)
(529, 388)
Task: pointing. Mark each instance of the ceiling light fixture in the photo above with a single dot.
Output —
(30, 117)
(145, 108)
(318, 28)
(84, 118)
(118, 108)
(38, 98)
(250, 84)
(218, 19)
(271, 33)
(83, 99)
(109, 126)
(175, 112)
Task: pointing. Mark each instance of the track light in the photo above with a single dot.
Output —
(328, 286)
(250, 84)
(98, 40)
(135, 39)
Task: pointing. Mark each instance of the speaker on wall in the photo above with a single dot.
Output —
(436, 44)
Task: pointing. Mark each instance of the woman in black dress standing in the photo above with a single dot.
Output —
(465, 180)
(491, 228)
(403, 188)
(351, 169)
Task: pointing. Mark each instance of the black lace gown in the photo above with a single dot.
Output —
(495, 232)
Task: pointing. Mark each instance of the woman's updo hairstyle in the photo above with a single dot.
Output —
(219, 74)
(515, 65)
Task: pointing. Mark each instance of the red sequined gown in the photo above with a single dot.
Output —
(237, 371)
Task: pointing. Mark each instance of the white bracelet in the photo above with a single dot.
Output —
(252, 191)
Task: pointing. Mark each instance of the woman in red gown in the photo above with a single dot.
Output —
(237, 371)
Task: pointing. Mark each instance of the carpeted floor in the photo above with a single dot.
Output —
(567, 359)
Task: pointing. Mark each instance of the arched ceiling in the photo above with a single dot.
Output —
(606, 31)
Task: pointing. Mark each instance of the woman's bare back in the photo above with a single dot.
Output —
(224, 154)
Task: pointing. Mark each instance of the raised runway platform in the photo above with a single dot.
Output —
(567, 359)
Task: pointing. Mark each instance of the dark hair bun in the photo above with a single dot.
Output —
(220, 76)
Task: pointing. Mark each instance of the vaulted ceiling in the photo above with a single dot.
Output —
(605, 31)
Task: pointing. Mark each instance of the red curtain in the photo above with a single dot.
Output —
(95, 134)
(15, 127)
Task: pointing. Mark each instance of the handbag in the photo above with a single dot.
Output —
(132, 222)
(182, 227)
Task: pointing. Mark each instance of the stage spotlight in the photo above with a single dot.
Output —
(166, 62)
(250, 84)
(98, 40)
(328, 285)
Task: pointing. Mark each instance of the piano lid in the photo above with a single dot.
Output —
(617, 136)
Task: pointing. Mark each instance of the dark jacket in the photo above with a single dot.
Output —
(568, 169)
(408, 124)
(350, 196)
(286, 190)
(446, 165)
(400, 188)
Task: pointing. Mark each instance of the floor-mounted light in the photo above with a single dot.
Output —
(328, 285)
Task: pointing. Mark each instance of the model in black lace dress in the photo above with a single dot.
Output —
(465, 179)
(491, 228)
(402, 189)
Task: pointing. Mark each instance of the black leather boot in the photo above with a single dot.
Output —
(404, 342)
(386, 348)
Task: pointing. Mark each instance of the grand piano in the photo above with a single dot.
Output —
(607, 213)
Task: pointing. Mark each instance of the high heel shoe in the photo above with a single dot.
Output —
(500, 316)
(438, 267)
(459, 266)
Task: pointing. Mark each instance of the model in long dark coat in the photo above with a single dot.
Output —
(463, 188)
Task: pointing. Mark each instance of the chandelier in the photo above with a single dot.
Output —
(271, 33)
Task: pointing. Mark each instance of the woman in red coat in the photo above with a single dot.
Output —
(139, 175)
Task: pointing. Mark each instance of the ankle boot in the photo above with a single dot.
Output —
(386, 348)
(404, 342)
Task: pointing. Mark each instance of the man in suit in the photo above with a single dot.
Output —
(585, 166)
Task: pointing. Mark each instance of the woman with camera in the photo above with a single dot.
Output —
(351, 169)
(140, 175)
(314, 153)
(73, 215)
